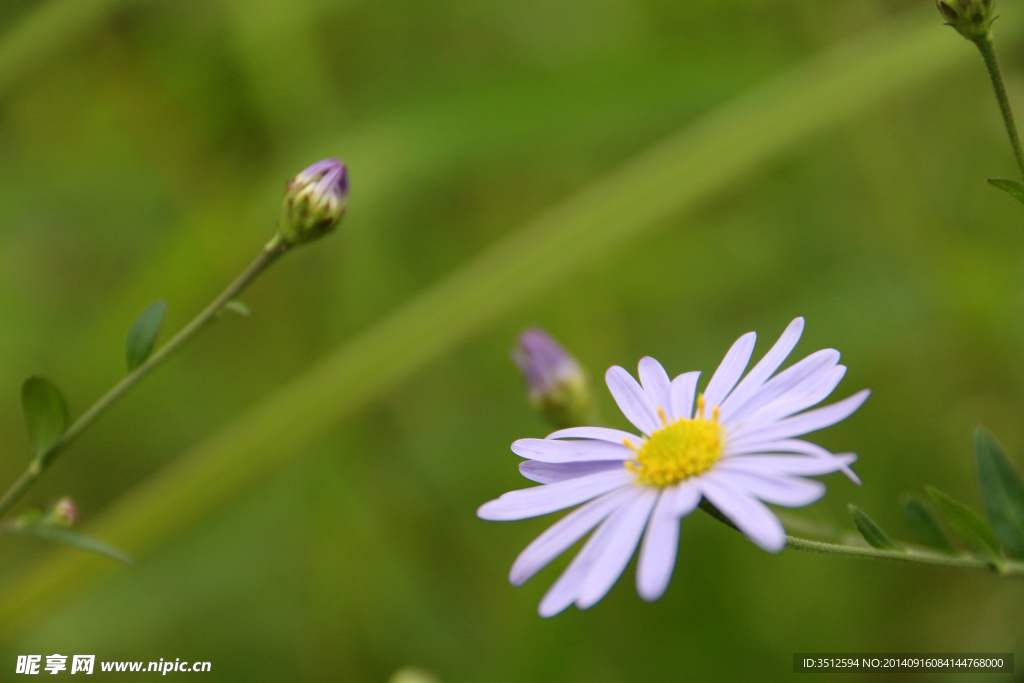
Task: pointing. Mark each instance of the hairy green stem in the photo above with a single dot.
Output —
(988, 53)
(914, 556)
(270, 253)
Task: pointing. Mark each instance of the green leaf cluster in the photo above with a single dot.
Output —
(1002, 490)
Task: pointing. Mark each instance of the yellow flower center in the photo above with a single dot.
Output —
(679, 450)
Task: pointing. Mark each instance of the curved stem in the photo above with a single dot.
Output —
(988, 53)
(915, 556)
(270, 253)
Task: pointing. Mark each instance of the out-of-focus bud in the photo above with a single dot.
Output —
(971, 18)
(63, 513)
(556, 383)
(413, 675)
(314, 202)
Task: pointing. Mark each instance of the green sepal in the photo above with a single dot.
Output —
(969, 526)
(141, 337)
(871, 532)
(1010, 187)
(1003, 491)
(926, 523)
(46, 414)
(58, 534)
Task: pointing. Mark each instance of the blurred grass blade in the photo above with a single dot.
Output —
(46, 414)
(969, 526)
(677, 174)
(142, 334)
(1010, 187)
(926, 523)
(57, 534)
(871, 532)
(46, 31)
(1003, 491)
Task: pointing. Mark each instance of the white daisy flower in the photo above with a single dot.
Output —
(734, 445)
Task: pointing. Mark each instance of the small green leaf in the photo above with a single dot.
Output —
(871, 532)
(1010, 187)
(974, 530)
(143, 333)
(1003, 491)
(69, 537)
(926, 523)
(237, 306)
(46, 414)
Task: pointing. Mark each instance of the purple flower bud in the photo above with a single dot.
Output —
(555, 382)
(314, 202)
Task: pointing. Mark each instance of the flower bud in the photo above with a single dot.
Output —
(314, 202)
(555, 382)
(63, 513)
(971, 18)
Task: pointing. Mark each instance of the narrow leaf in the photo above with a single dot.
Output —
(1003, 491)
(237, 306)
(46, 414)
(70, 537)
(143, 333)
(974, 530)
(926, 523)
(1010, 187)
(871, 532)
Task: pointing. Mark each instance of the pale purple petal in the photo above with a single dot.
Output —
(729, 371)
(812, 420)
(550, 473)
(792, 465)
(329, 183)
(655, 382)
(560, 536)
(632, 400)
(570, 451)
(786, 491)
(764, 368)
(616, 436)
(810, 392)
(685, 496)
(681, 395)
(750, 516)
(613, 558)
(320, 168)
(793, 446)
(658, 552)
(567, 588)
(780, 384)
(780, 446)
(540, 500)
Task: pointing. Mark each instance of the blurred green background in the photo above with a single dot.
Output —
(143, 150)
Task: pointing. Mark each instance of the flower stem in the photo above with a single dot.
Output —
(915, 556)
(988, 53)
(270, 253)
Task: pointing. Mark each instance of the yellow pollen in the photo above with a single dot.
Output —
(679, 450)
